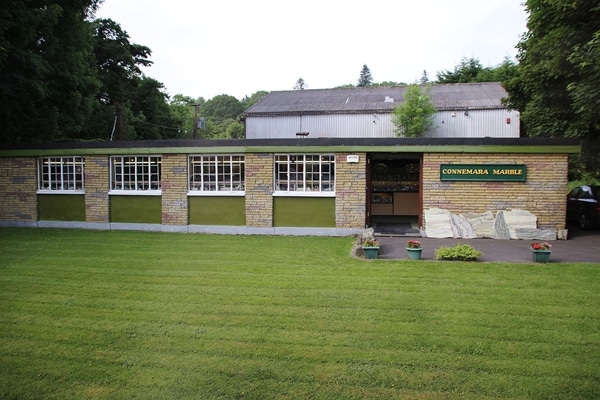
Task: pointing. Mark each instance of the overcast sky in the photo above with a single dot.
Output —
(238, 47)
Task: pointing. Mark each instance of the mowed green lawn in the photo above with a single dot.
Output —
(140, 315)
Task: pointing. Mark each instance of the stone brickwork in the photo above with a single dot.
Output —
(18, 187)
(174, 184)
(543, 194)
(97, 183)
(259, 190)
(350, 191)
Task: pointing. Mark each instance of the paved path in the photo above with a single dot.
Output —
(581, 247)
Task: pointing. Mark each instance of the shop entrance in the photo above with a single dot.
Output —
(394, 194)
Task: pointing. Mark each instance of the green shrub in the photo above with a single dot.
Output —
(460, 252)
(586, 179)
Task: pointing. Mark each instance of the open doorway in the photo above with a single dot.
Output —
(394, 191)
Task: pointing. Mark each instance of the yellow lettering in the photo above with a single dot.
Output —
(465, 171)
(508, 172)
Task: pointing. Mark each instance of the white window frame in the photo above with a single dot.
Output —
(61, 175)
(217, 175)
(310, 175)
(136, 175)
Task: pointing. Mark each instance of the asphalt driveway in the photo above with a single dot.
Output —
(582, 246)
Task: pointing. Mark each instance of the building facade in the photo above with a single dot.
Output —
(294, 186)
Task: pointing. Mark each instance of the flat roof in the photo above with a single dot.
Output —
(299, 145)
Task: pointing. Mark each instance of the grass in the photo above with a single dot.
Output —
(139, 315)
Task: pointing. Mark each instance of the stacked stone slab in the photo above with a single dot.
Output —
(506, 224)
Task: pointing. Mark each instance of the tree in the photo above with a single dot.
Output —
(471, 70)
(424, 78)
(300, 84)
(182, 110)
(234, 130)
(118, 63)
(66, 77)
(557, 88)
(468, 70)
(366, 78)
(47, 80)
(222, 111)
(389, 83)
(503, 72)
(222, 107)
(414, 117)
(585, 92)
(152, 116)
(248, 102)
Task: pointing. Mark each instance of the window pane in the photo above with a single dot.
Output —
(304, 172)
(136, 173)
(213, 173)
(61, 173)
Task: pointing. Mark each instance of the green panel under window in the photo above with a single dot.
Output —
(136, 209)
(304, 212)
(216, 210)
(61, 207)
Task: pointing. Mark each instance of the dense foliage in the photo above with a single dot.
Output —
(65, 76)
(47, 82)
(558, 88)
(129, 102)
(471, 70)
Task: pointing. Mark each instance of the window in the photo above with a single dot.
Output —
(60, 173)
(305, 173)
(214, 173)
(585, 193)
(135, 173)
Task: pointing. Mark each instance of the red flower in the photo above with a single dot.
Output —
(413, 244)
(541, 246)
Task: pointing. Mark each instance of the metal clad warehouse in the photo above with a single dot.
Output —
(463, 110)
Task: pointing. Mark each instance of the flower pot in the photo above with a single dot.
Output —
(542, 256)
(414, 254)
(371, 252)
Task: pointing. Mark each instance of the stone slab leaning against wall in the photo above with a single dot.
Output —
(506, 224)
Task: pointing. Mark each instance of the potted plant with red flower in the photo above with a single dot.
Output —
(414, 248)
(370, 248)
(541, 251)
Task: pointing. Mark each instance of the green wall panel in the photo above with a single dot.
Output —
(213, 210)
(136, 209)
(304, 212)
(61, 207)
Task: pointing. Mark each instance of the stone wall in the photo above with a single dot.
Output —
(18, 187)
(543, 194)
(259, 190)
(97, 181)
(350, 191)
(174, 184)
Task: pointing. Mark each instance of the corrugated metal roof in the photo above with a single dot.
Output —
(457, 96)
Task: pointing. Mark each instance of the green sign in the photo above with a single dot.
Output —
(483, 172)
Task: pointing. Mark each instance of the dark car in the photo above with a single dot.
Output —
(583, 206)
